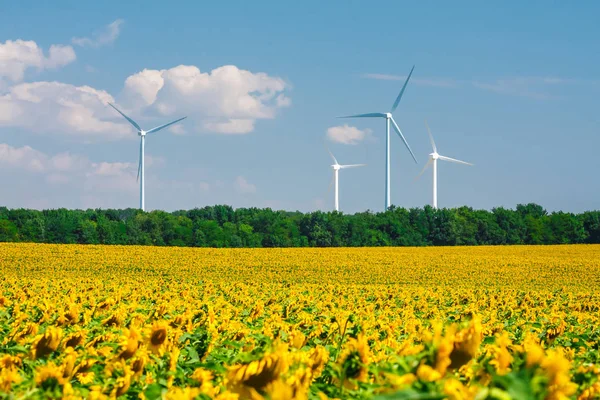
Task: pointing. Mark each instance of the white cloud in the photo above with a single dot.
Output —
(108, 35)
(22, 157)
(177, 129)
(19, 55)
(532, 87)
(111, 169)
(226, 99)
(232, 126)
(60, 108)
(33, 160)
(347, 134)
(243, 186)
(64, 168)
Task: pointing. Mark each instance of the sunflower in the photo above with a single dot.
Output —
(85, 378)
(7, 361)
(46, 343)
(204, 377)
(501, 356)
(158, 335)
(318, 358)
(69, 362)
(8, 376)
(249, 379)
(139, 361)
(130, 341)
(466, 344)
(29, 329)
(49, 376)
(74, 339)
(355, 361)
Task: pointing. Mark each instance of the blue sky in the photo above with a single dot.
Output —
(511, 87)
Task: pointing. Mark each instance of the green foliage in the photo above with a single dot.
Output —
(222, 226)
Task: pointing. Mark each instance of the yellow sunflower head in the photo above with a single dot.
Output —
(49, 376)
(46, 343)
(129, 341)
(158, 335)
(355, 360)
(254, 377)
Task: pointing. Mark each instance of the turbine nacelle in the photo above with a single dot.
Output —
(434, 156)
(141, 133)
(388, 115)
(336, 167)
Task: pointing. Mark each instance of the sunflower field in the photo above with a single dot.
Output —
(99, 322)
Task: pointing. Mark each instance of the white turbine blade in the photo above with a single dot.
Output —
(352, 165)
(158, 128)
(331, 183)
(395, 125)
(332, 156)
(454, 160)
(424, 168)
(132, 122)
(402, 91)
(139, 163)
(431, 138)
(369, 115)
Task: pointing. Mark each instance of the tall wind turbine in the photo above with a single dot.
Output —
(433, 157)
(336, 169)
(388, 117)
(142, 133)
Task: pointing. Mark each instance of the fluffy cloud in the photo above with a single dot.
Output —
(243, 186)
(108, 35)
(60, 108)
(29, 159)
(347, 134)
(66, 168)
(22, 157)
(19, 55)
(226, 99)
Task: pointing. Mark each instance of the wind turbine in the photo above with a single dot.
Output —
(142, 133)
(388, 117)
(336, 169)
(433, 157)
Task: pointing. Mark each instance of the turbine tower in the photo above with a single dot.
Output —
(389, 118)
(142, 133)
(433, 158)
(336, 169)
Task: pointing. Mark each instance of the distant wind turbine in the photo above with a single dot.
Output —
(336, 169)
(142, 133)
(433, 157)
(388, 117)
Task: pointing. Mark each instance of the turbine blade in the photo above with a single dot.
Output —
(395, 125)
(402, 91)
(331, 183)
(158, 128)
(132, 122)
(368, 115)
(424, 168)
(352, 165)
(454, 160)
(431, 138)
(139, 162)
(332, 156)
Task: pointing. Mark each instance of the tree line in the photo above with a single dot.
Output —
(223, 226)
